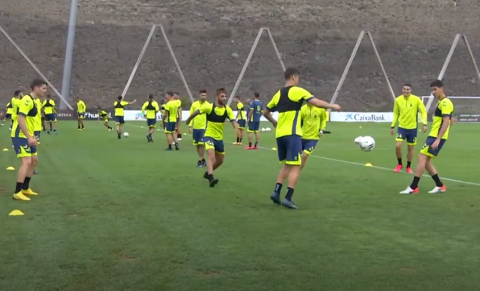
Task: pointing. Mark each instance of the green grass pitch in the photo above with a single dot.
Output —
(126, 215)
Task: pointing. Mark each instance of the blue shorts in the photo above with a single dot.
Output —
(254, 126)
(81, 115)
(308, 145)
(241, 123)
(170, 127)
(290, 150)
(198, 136)
(8, 116)
(429, 152)
(20, 144)
(36, 134)
(50, 117)
(151, 122)
(119, 119)
(217, 145)
(410, 135)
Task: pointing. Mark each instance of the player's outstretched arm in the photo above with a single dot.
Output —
(192, 116)
(322, 104)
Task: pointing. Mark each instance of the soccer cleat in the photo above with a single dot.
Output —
(410, 191)
(437, 190)
(398, 168)
(204, 163)
(236, 143)
(248, 148)
(20, 196)
(213, 182)
(169, 149)
(199, 164)
(29, 192)
(275, 197)
(35, 172)
(289, 204)
(409, 170)
(254, 148)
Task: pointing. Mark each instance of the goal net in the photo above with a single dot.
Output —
(466, 108)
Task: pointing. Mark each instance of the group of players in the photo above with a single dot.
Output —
(298, 129)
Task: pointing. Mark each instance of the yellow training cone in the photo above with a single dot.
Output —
(274, 149)
(5, 150)
(16, 213)
(368, 165)
(360, 126)
(10, 169)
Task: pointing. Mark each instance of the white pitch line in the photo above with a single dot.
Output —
(384, 169)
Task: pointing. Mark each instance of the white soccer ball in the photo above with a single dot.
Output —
(358, 140)
(268, 129)
(263, 129)
(125, 134)
(367, 143)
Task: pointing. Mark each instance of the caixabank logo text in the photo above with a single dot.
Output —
(364, 117)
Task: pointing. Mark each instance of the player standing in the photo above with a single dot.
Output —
(8, 115)
(314, 121)
(405, 112)
(14, 103)
(254, 114)
(50, 116)
(199, 123)
(178, 128)
(119, 106)
(38, 119)
(81, 109)
(288, 102)
(216, 114)
(241, 121)
(171, 111)
(149, 111)
(435, 141)
(23, 139)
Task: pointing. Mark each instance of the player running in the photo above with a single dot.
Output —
(199, 123)
(241, 121)
(216, 115)
(314, 121)
(405, 112)
(81, 109)
(171, 111)
(288, 102)
(435, 141)
(149, 111)
(49, 108)
(254, 114)
(23, 139)
(102, 114)
(119, 106)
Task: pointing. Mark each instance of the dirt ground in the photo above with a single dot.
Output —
(211, 41)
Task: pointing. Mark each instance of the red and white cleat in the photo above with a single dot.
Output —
(398, 168)
(437, 190)
(410, 191)
(409, 170)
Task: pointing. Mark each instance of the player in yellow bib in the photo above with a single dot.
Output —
(178, 128)
(197, 127)
(288, 102)
(50, 110)
(14, 102)
(81, 109)
(8, 115)
(171, 114)
(241, 119)
(405, 112)
(216, 114)
(119, 106)
(435, 141)
(102, 114)
(24, 141)
(314, 121)
(149, 111)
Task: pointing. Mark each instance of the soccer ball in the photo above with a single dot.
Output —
(268, 129)
(358, 140)
(263, 129)
(125, 134)
(367, 143)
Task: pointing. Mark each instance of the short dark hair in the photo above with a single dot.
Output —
(37, 83)
(238, 97)
(120, 97)
(221, 90)
(169, 93)
(290, 72)
(150, 96)
(176, 93)
(203, 91)
(437, 83)
(17, 92)
(256, 94)
(408, 85)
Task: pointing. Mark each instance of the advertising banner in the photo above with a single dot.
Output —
(132, 115)
(468, 117)
(361, 116)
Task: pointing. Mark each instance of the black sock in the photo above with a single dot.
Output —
(238, 139)
(289, 194)
(26, 183)
(399, 161)
(278, 188)
(51, 126)
(414, 184)
(18, 188)
(176, 144)
(437, 180)
(409, 164)
(203, 160)
(210, 177)
(79, 127)
(241, 139)
(250, 144)
(169, 146)
(256, 143)
(119, 135)
(179, 135)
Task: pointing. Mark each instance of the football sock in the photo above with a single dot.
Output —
(250, 144)
(256, 143)
(26, 183)
(289, 194)
(241, 139)
(210, 177)
(414, 184)
(169, 146)
(18, 188)
(399, 161)
(278, 188)
(179, 135)
(409, 164)
(437, 180)
(238, 139)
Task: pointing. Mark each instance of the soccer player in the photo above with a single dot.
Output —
(162, 113)
(254, 114)
(178, 128)
(216, 114)
(241, 121)
(199, 123)
(24, 141)
(119, 106)
(104, 116)
(288, 102)
(38, 119)
(8, 115)
(171, 111)
(149, 111)
(17, 95)
(314, 121)
(49, 108)
(405, 112)
(435, 141)
(81, 109)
